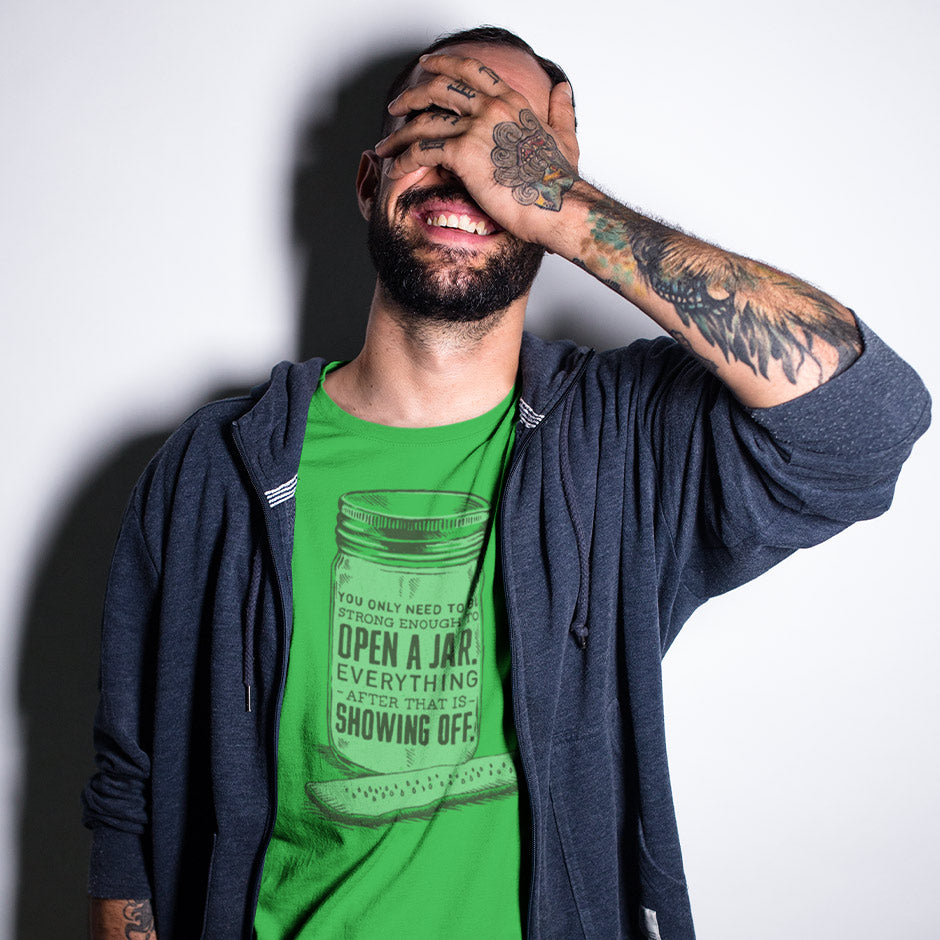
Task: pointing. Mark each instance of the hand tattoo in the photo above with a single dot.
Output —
(436, 143)
(528, 161)
(486, 70)
(139, 916)
(745, 309)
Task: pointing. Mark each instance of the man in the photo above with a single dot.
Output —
(309, 721)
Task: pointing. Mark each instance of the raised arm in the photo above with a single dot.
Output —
(769, 336)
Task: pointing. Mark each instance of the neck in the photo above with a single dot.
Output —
(422, 373)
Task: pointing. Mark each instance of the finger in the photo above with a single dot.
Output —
(442, 91)
(463, 77)
(561, 109)
(465, 68)
(430, 124)
(561, 118)
(424, 153)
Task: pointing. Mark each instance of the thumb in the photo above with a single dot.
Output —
(561, 109)
(561, 118)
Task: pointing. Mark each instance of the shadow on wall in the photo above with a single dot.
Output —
(329, 234)
(59, 655)
(58, 692)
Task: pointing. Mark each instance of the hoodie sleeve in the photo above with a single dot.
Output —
(116, 800)
(742, 488)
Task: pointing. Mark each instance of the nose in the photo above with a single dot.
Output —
(442, 174)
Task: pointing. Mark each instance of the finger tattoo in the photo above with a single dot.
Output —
(486, 70)
(448, 117)
(462, 89)
(436, 143)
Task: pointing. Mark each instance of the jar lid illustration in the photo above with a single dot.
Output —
(422, 527)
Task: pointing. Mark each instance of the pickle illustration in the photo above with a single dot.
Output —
(383, 798)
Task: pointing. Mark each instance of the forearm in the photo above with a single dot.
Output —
(121, 919)
(769, 336)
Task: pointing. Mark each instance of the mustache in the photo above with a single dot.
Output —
(414, 197)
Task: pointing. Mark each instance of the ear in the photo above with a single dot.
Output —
(367, 182)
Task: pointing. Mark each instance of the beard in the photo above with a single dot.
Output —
(450, 288)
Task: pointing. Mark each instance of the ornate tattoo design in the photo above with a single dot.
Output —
(747, 310)
(462, 89)
(139, 917)
(528, 161)
(486, 70)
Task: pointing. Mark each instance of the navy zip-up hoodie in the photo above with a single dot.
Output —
(638, 487)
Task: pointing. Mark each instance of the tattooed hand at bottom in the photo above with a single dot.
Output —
(124, 919)
(501, 128)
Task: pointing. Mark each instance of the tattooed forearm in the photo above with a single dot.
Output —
(683, 341)
(462, 89)
(528, 161)
(747, 310)
(139, 917)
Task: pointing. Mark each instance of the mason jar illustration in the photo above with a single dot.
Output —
(406, 647)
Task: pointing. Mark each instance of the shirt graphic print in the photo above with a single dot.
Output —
(406, 657)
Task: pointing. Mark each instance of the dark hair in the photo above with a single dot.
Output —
(489, 35)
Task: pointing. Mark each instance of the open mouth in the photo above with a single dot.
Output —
(479, 226)
(451, 215)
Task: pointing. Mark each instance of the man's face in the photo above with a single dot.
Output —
(436, 253)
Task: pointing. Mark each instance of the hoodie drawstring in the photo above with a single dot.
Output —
(579, 627)
(248, 631)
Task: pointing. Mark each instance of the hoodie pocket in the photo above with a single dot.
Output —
(588, 806)
(664, 899)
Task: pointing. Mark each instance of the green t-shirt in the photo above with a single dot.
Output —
(398, 813)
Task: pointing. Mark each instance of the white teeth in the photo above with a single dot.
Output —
(463, 222)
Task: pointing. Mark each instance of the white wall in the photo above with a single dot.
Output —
(145, 201)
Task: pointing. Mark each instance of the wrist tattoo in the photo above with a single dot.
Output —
(139, 917)
(528, 161)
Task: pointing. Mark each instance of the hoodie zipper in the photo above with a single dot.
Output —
(282, 679)
(513, 642)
